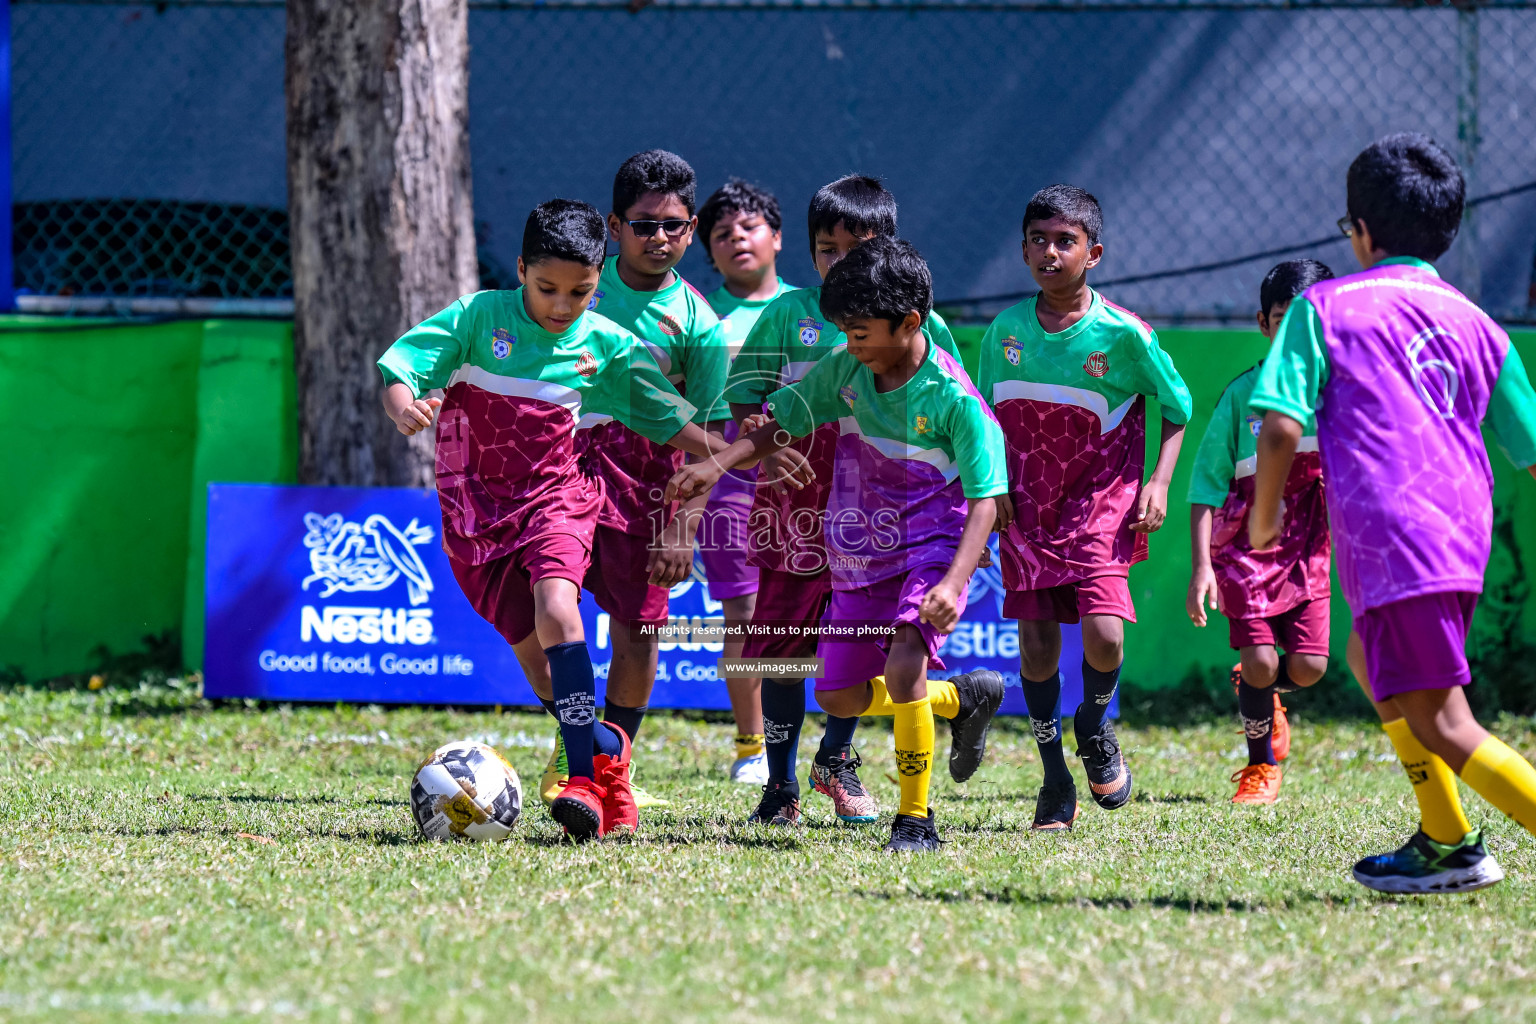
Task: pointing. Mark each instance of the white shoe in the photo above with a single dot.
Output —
(750, 771)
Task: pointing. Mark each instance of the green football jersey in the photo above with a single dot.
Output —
(738, 316)
(907, 461)
(507, 465)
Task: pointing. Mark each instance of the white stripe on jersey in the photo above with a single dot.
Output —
(518, 387)
(1249, 466)
(1061, 394)
(893, 449)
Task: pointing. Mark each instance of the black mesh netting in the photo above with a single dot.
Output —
(1209, 131)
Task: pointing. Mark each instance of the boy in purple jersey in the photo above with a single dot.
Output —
(1272, 599)
(787, 538)
(642, 547)
(518, 513)
(1401, 371)
(919, 464)
(1070, 375)
(742, 229)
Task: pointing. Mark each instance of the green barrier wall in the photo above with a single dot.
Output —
(116, 431)
(119, 428)
(1163, 647)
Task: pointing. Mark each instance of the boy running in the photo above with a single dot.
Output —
(642, 548)
(1273, 599)
(919, 464)
(742, 230)
(1401, 370)
(1069, 374)
(518, 514)
(790, 337)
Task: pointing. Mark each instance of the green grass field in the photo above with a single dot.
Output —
(162, 858)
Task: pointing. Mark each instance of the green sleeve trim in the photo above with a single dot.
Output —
(1512, 412)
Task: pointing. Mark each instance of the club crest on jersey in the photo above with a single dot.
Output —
(1255, 424)
(594, 300)
(810, 331)
(1097, 364)
(847, 394)
(669, 326)
(586, 364)
(502, 342)
(921, 424)
(1012, 350)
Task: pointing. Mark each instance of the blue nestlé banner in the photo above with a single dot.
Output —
(337, 593)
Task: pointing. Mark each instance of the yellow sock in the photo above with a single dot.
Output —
(749, 745)
(942, 696)
(1503, 778)
(914, 755)
(1434, 784)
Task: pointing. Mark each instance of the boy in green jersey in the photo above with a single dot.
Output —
(1070, 375)
(919, 465)
(1272, 599)
(518, 367)
(742, 230)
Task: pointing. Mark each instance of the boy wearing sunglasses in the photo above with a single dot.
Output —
(642, 546)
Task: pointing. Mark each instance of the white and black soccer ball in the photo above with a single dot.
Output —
(466, 790)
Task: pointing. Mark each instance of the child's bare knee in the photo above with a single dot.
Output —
(1306, 669)
(1261, 666)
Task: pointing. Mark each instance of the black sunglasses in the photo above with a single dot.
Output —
(647, 228)
(1346, 225)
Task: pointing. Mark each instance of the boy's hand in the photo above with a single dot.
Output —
(1151, 508)
(753, 422)
(985, 561)
(941, 607)
(788, 467)
(671, 559)
(1004, 513)
(412, 415)
(692, 480)
(1202, 590)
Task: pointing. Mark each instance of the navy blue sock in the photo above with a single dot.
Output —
(570, 670)
(628, 719)
(1044, 702)
(837, 741)
(783, 715)
(1283, 683)
(1098, 691)
(1257, 708)
(549, 705)
(606, 741)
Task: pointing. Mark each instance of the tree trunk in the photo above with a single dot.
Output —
(380, 215)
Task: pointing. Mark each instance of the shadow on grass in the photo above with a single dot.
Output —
(370, 836)
(1016, 897)
(1170, 798)
(258, 798)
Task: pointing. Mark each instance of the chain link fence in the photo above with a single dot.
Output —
(149, 145)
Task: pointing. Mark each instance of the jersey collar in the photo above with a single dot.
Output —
(1409, 261)
(1033, 320)
(616, 282)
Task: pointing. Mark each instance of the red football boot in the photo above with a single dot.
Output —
(619, 810)
(580, 808)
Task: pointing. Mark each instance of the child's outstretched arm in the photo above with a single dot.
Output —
(1152, 504)
(1202, 579)
(410, 414)
(941, 605)
(1278, 438)
(697, 478)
